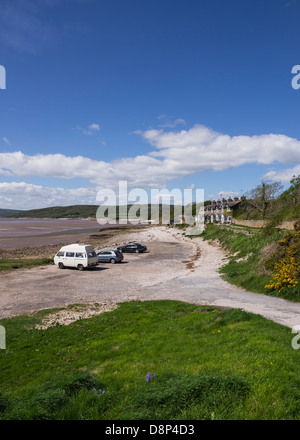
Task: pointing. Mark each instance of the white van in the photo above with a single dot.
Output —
(76, 255)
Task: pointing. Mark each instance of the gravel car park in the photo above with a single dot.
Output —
(110, 256)
(132, 247)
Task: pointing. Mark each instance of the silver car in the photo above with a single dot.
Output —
(110, 256)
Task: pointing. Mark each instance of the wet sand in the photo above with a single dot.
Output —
(28, 232)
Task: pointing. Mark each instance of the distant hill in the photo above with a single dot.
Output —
(84, 211)
(5, 212)
(76, 211)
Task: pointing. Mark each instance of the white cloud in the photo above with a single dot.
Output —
(175, 154)
(202, 149)
(49, 165)
(22, 195)
(283, 176)
(95, 127)
(223, 194)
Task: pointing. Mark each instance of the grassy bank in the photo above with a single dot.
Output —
(23, 264)
(209, 363)
(248, 248)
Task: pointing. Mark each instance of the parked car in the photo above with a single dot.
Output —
(110, 256)
(76, 255)
(132, 247)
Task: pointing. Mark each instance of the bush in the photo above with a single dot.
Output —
(4, 403)
(50, 398)
(285, 264)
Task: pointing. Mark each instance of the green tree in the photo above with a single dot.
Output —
(262, 197)
(292, 194)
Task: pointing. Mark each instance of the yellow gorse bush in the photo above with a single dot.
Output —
(285, 264)
(285, 275)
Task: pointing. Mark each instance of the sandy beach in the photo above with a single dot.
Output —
(26, 238)
(30, 232)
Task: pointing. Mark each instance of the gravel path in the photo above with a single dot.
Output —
(175, 267)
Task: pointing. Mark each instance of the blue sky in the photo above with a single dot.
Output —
(160, 93)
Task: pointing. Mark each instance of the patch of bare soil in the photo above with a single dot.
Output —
(190, 264)
(72, 314)
(29, 253)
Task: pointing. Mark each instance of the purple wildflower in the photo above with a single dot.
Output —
(98, 392)
(149, 376)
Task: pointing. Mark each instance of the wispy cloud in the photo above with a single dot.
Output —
(91, 129)
(169, 121)
(290, 3)
(23, 25)
(6, 141)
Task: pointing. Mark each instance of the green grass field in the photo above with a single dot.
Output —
(209, 363)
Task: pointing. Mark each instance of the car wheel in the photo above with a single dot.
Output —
(137, 251)
(61, 266)
(80, 267)
(112, 261)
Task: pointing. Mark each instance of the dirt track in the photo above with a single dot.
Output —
(174, 268)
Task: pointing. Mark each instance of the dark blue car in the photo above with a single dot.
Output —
(132, 247)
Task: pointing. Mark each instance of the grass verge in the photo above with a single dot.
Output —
(210, 363)
(247, 249)
(23, 264)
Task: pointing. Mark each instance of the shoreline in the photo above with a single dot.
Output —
(32, 233)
